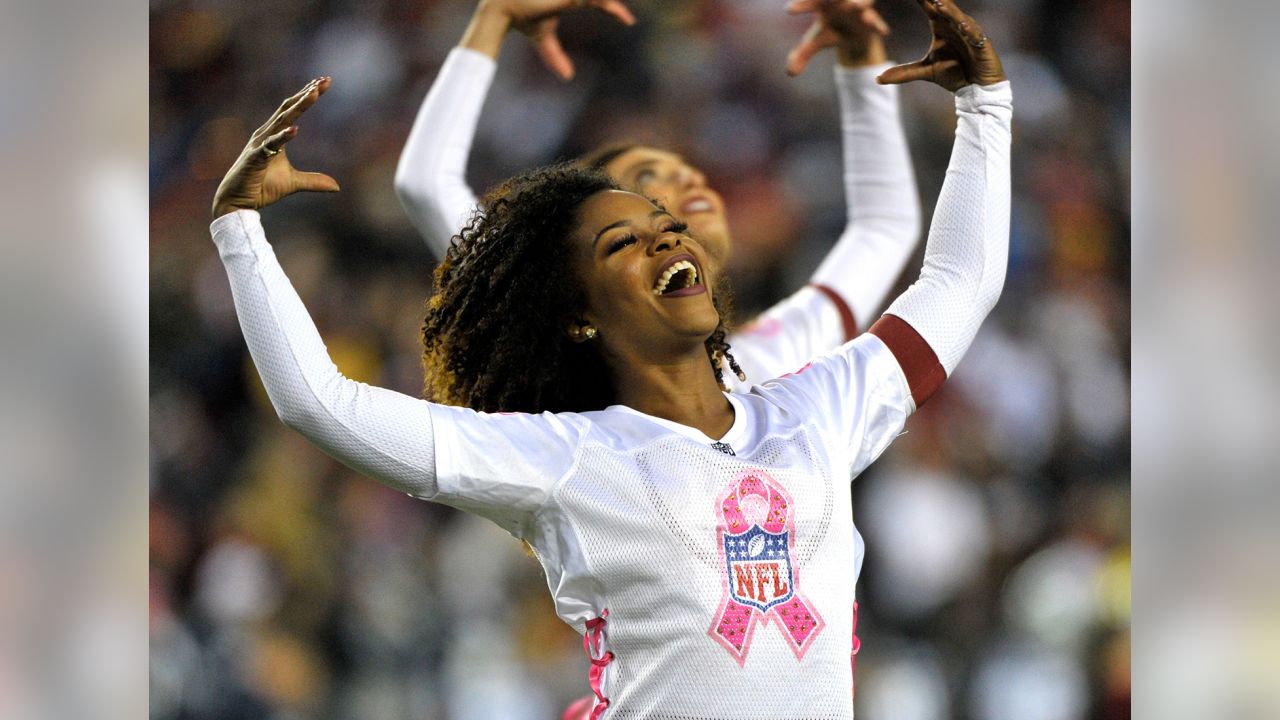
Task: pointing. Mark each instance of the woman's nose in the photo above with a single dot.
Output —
(664, 241)
(690, 178)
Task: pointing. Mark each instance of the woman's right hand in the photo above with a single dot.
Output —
(262, 174)
(537, 20)
(960, 54)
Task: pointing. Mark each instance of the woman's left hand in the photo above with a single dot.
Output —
(853, 27)
(262, 174)
(960, 54)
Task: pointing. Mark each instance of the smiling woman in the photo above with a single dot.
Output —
(675, 522)
(545, 247)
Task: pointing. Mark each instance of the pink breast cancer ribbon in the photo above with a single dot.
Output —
(761, 581)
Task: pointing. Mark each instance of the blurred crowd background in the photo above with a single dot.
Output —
(285, 586)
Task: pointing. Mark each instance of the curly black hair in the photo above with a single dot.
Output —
(494, 338)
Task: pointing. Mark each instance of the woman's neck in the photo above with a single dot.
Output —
(683, 391)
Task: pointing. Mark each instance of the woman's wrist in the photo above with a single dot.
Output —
(487, 30)
(222, 208)
(862, 52)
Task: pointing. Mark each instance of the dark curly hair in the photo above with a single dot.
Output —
(494, 335)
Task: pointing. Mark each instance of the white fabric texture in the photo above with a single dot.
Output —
(883, 208)
(968, 247)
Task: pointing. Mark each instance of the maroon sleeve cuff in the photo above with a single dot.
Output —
(918, 361)
(846, 313)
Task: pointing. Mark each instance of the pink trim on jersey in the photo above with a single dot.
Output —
(918, 361)
(847, 319)
(857, 645)
(754, 501)
(593, 643)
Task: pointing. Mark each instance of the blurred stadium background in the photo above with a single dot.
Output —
(285, 586)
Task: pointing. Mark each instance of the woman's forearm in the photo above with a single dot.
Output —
(968, 246)
(487, 29)
(431, 175)
(883, 225)
(383, 434)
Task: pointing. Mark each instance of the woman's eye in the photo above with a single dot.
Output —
(676, 227)
(620, 243)
(644, 177)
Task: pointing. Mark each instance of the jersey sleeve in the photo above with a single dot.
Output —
(881, 232)
(503, 466)
(858, 396)
(485, 464)
(968, 246)
(431, 175)
(883, 223)
(791, 333)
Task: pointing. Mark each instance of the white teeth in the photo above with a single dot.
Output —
(697, 206)
(677, 267)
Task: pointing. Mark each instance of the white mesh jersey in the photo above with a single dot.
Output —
(882, 229)
(724, 577)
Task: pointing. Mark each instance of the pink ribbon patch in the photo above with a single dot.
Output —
(757, 535)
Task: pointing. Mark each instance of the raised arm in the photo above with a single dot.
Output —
(863, 393)
(480, 463)
(383, 434)
(883, 209)
(431, 175)
(930, 326)
(377, 432)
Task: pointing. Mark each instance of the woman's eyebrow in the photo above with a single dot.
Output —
(625, 221)
(607, 228)
(641, 165)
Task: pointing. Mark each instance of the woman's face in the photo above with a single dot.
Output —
(647, 282)
(682, 189)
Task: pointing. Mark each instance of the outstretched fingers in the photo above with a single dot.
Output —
(547, 44)
(796, 7)
(814, 40)
(919, 70)
(315, 182)
(301, 104)
(274, 144)
(617, 9)
(272, 122)
(873, 18)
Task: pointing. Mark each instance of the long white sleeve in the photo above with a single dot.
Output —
(881, 232)
(383, 434)
(968, 247)
(431, 175)
(883, 205)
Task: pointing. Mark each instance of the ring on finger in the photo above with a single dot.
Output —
(980, 42)
(266, 150)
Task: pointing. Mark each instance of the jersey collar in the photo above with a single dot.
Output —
(734, 437)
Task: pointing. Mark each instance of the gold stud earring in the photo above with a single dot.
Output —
(589, 332)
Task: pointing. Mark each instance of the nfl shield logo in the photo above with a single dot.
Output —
(759, 567)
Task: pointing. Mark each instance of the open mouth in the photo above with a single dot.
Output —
(681, 275)
(696, 205)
